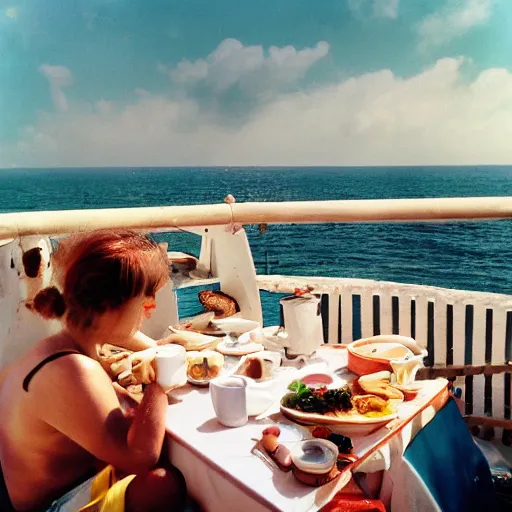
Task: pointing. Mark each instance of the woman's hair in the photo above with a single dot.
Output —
(99, 271)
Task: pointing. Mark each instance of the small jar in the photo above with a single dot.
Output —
(314, 461)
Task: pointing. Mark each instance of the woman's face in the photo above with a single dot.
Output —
(123, 323)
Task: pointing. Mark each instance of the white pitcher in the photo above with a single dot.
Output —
(405, 370)
(303, 323)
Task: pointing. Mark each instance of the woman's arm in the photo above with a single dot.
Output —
(141, 341)
(126, 400)
(76, 397)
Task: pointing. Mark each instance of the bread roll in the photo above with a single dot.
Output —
(257, 368)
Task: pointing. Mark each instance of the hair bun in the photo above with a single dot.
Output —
(49, 303)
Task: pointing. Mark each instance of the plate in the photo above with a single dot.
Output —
(267, 337)
(199, 383)
(209, 331)
(240, 349)
(235, 326)
(355, 425)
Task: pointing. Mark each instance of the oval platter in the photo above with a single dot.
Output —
(356, 425)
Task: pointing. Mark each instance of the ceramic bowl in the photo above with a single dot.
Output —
(317, 380)
(315, 456)
(372, 355)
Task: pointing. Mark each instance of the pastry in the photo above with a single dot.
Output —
(257, 368)
(379, 384)
(222, 304)
(191, 340)
(369, 403)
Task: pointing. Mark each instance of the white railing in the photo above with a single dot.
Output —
(457, 327)
(13, 225)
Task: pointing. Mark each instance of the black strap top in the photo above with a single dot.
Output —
(52, 357)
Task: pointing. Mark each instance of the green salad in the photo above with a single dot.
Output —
(318, 400)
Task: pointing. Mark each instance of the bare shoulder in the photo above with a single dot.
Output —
(71, 374)
(71, 393)
(78, 364)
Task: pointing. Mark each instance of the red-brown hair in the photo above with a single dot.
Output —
(99, 271)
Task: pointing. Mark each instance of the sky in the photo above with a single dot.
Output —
(255, 82)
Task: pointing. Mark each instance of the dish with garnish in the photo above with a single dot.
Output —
(218, 306)
(357, 408)
(203, 366)
(201, 324)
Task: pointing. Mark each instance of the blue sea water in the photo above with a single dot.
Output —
(463, 255)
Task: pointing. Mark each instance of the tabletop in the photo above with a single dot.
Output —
(193, 427)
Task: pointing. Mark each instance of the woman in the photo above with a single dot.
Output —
(60, 411)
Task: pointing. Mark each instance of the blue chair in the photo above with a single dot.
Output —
(451, 465)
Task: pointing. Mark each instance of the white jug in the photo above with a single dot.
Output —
(405, 370)
(303, 323)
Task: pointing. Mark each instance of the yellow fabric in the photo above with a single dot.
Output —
(107, 493)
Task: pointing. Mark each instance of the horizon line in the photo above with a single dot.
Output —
(230, 167)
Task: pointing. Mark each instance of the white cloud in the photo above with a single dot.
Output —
(58, 77)
(11, 12)
(104, 107)
(453, 20)
(386, 8)
(434, 117)
(378, 8)
(247, 67)
(139, 91)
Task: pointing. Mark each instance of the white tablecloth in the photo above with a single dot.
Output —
(223, 475)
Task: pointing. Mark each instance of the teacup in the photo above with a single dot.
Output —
(229, 400)
(171, 366)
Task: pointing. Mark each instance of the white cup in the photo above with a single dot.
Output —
(229, 400)
(171, 366)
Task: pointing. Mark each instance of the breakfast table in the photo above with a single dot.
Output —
(224, 472)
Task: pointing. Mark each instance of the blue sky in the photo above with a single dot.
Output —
(255, 82)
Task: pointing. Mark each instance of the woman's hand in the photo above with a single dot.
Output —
(167, 340)
(126, 401)
(143, 366)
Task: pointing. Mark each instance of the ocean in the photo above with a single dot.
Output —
(462, 255)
